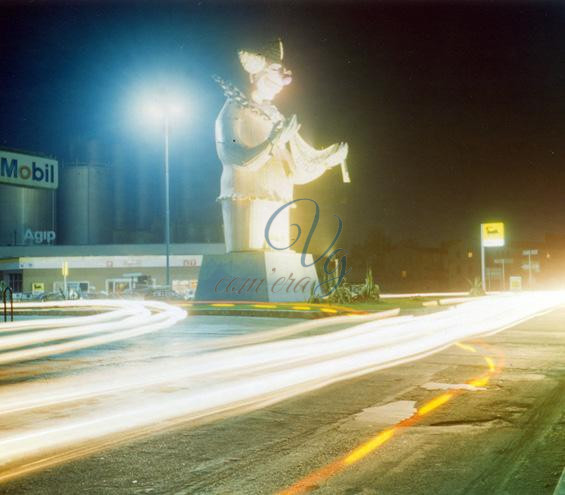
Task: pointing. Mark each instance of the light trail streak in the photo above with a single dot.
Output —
(466, 347)
(368, 447)
(108, 310)
(132, 319)
(463, 295)
(253, 375)
(424, 294)
(321, 475)
(490, 363)
(29, 396)
(435, 403)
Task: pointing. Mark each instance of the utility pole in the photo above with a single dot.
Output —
(503, 262)
(65, 273)
(529, 253)
(483, 269)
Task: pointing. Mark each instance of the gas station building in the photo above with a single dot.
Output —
(111, 268)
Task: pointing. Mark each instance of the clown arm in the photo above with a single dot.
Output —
(310, 163)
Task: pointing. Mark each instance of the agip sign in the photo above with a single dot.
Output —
(39, 236)
(28, 170)
(492, 234)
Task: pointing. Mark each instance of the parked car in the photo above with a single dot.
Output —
(24, 296)
(52, 296)
(163, 293)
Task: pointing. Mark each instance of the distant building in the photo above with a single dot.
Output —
(463, 261)
(456, 265)
(93, 202)
(411, 267)
(103, 268)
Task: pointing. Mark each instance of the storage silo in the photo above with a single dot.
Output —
(27, 198)
(122, 192)
(85, 211)
(183, 206)
(25, 210)
(147, 195)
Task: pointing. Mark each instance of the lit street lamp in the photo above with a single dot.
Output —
(165, 111)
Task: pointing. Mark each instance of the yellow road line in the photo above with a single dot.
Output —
(321, 475)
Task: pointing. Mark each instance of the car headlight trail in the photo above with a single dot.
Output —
(248, 373)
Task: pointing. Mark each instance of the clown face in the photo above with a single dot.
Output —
(270, 81)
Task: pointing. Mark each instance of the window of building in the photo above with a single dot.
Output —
(118, 285)
(15, 280)
(78, 287)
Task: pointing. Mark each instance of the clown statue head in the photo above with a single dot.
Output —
(266, 72)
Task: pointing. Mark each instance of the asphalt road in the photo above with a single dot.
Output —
(505, 438)
(178, 341)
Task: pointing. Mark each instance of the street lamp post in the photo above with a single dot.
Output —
(165, 111)
(167, 207)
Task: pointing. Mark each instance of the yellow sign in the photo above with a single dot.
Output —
(65, 269)
(37, 287)
(515, 283)
(492, 234)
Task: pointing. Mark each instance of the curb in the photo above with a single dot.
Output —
(560, 487)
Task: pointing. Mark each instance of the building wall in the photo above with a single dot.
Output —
(463, 259)
(97, 264)
(97, 277)
(414, 268)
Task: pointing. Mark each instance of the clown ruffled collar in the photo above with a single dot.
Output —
(233, 93)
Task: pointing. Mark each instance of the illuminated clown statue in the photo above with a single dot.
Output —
(263, 154)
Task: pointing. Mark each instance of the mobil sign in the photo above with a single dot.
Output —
(28, 170)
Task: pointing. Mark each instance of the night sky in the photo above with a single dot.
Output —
(454, 112)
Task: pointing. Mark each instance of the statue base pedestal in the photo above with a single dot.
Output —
(256, 276)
